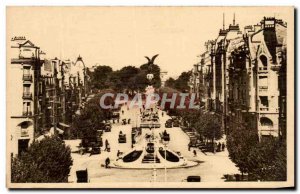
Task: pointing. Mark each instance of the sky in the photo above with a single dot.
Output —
(121, 36)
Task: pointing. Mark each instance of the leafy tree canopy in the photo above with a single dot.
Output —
(46, 161)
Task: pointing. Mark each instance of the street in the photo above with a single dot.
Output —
(210, 166)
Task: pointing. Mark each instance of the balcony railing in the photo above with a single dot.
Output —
(263, 88)
(27, 77)
(21, 60)
(27, 95)
(24, 133)
(275, 67)
(264, 108)
(263, 68)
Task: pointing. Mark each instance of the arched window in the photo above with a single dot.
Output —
(25, 124)
(264, 121)
(264, 61)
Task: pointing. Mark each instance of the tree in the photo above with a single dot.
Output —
(115, 82)
(127, 77)
(263, 160)
(239, 144)
(91, 117)
(99, 78)
(170, 82)
(210, 126)
(181, 83)
(46, 161)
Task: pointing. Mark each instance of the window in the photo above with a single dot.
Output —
(263, 82)
(264, 101)
(264, 121)
(264, 62)
(26, 89)
(26, 108)
(26, 71)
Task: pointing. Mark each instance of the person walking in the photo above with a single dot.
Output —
(118, 153)
(107, 162)
(195, 153)
(219, 147)
(106, 144)
(223, 146)
(215, 145)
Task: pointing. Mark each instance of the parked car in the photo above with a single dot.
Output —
(169, 123)
(122, 138)
(166, 137)
(96, 150)
(193, 179)
(82, 176)
(176, 123)
(116, 115)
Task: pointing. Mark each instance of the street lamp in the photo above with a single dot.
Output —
(165, 142)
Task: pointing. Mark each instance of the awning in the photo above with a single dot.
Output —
(57, 129)
(64, 125)
(268, 132)
(60, 131)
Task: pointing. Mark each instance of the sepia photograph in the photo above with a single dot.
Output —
(150, 97)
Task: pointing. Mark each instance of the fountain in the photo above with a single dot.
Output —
(150, 150)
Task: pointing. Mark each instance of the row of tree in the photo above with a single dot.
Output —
(207, 124)
(181, 83)
(263, 160)
(92, 116)
(128, 79)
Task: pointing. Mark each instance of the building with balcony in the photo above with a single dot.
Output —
(22, 107)
(267, 48)
(244, 77)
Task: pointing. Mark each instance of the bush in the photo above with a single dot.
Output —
(46, 161)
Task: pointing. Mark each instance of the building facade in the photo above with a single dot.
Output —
(243, 77)
(43, 94)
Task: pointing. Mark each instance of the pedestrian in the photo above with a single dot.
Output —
(215, 147)
(118, 120)
(108, 148)
(223, 146)
(129, 121)
(106, 144)
(107, 162)
(219, 147)
(189, 146)
(195, 153)
(118, 153)
(165, 132)
(122, 112)
(162, 114)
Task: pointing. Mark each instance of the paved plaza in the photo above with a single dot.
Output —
(210, 166)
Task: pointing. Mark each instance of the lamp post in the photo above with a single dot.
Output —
(165, 146)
